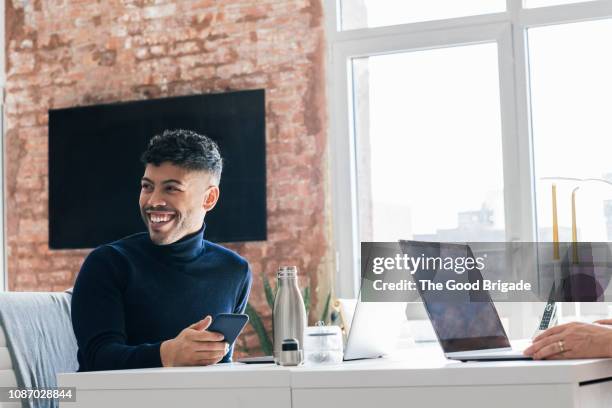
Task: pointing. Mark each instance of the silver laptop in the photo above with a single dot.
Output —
(374, 330)
(467, 324)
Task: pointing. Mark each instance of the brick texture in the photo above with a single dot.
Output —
(63, 53)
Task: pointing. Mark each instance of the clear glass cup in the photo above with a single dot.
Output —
(323, 345)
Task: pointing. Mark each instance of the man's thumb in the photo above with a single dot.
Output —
(202, 324)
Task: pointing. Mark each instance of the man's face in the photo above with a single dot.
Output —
(173, 201)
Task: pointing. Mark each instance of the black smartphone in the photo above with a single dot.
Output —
(229, 325)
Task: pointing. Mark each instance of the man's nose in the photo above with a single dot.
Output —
(156, 199)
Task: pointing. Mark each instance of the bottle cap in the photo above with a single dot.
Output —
(289, 345)
(290, 354)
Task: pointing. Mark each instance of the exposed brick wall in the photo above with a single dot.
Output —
(63, 53)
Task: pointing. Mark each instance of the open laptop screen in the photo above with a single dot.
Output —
(462, 320)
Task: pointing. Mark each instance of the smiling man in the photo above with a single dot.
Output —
(147, 299)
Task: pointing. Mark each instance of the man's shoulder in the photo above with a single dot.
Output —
(131, 242)
(227, 256)
(119, 248)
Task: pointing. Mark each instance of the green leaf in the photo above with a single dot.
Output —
(270, 293)
(306, 296)
(242, 346)
(255, 321)
(326, 308)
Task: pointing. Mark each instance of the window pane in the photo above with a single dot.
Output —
(377, 13)
(571, 91)
(544, 3)
(428, 143)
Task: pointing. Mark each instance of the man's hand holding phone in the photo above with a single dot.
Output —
(194, 346)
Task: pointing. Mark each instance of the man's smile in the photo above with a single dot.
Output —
(159, 219)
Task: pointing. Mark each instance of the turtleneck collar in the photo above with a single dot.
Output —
(185, 249)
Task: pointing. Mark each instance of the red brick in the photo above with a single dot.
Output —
(66, 53)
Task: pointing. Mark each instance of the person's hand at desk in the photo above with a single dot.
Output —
(573, 340)
(194, 346)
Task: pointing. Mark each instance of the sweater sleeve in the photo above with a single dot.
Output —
(241, 302)
(98, 316)
(245, 290)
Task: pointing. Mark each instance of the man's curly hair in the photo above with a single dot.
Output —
(186, 149)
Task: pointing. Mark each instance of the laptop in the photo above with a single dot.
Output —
(373, 332)
(466, 323)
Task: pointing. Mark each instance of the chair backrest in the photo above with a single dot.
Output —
(7, 374)
(36, 338)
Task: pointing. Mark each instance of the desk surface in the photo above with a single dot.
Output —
(416, 367)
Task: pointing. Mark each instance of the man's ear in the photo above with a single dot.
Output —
(211, 198)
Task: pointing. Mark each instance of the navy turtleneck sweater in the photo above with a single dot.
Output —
(131, 295)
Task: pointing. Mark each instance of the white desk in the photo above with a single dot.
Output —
(421, 377)
(225, 385)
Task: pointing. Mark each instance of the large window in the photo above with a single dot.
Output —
(406, 148)
(571, 94)
(356, 14)
(452, 120)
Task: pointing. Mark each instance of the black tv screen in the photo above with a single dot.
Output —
(95, 168)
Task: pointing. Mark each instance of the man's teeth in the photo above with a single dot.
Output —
(160, 218)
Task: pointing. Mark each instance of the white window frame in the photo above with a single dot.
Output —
(509, 31)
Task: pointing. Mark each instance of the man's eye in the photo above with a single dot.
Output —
(170, 188)
(146, 187)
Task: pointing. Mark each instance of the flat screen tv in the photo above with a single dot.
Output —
(95, 169)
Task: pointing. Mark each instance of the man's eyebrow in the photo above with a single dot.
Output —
(172, 181)
(148, 180)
